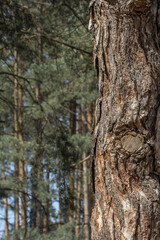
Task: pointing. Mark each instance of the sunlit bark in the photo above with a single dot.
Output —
(126, 157)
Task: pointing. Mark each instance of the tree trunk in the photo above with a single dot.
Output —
(18, 129)
(16, 199)
(36, 219)
(72, 130)
(86, 228)
(46, 203)
(78, 207)
(79, 178)
(126, 156)
(37, 171)
(5, 206)
(20, 138)
(60, 198)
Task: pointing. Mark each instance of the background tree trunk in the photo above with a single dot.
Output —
(21, 161)
(46, 202)
(86, 200)
(86, 228)
(5, 206)
(16, 199)
(72, 131)
(37, 169)
(78, 207)
(60, 200)
(126, 156)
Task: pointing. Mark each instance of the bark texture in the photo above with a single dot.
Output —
(126, 155)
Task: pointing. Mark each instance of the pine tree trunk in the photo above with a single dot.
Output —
(72, 129)
(36, 211)
(126, 156)
(60, 200)
(46, 217)
(46, 205)
(16, 199)
(78, 207)
(20, 138)
(5, 207)
(60, 213)
(78, 178)
(86, 228)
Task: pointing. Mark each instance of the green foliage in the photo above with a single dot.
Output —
(55, 56)
(81, 143)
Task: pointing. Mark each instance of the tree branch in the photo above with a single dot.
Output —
(59, 42)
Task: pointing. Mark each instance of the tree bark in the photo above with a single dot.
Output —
(79, 178)
(72, 130)
(5, 206)
(16, 199)
(18, 133)
(36, 219)
(86, 228)
(37, 171)
(78, 215)
(21, 161)
(46, 203)
(126, 156)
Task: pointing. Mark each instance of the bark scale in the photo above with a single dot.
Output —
(126, 156)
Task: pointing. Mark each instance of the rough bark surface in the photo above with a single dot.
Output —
(126, 155)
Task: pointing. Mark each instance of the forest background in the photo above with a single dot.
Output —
(47, 99)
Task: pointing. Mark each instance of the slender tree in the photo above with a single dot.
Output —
(5, 206)
(86, 229)
(16, 201)
(72, 130)
(46, 202)
(78, 206)
(36, 211)
(126, 153)
(20, 138)
(79, 178)
(60, 200)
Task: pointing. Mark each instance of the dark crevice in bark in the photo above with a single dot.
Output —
(137, 223)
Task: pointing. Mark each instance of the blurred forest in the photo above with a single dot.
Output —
(47, 99)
